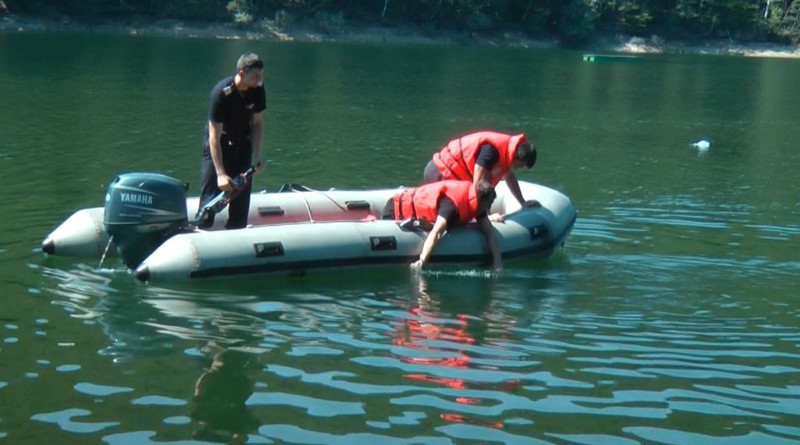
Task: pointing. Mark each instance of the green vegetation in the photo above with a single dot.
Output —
(573, 21)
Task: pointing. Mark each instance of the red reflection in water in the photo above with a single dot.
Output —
(424, 326)
(458, 418)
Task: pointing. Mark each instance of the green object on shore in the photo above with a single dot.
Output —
(611, 58)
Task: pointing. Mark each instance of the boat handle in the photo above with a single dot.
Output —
(357, 205)
(270, 211)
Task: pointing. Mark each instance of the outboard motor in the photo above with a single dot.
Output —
(142, 210)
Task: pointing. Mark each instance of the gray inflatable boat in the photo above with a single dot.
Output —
(293, 231)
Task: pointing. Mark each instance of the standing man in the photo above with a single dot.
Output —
(484, 156)
(233, 139)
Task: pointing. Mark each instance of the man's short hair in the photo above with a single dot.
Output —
(485, 192)
(526, 153)
(249, 61)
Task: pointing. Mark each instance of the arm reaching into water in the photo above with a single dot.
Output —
(431, 241)
(491, 238)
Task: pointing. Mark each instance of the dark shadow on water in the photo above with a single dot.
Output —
(220, 413)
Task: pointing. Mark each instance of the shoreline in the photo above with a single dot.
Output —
(350, 33)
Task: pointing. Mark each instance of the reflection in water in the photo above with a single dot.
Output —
(438, 342)
(147, 324)
(453, 355)
(220, 395)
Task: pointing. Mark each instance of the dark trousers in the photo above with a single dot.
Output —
(235, 162)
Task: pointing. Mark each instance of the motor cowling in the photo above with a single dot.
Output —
(142, 210)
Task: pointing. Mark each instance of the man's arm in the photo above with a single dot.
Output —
(480, 174)
(255, 139)
(430, 242)
(491, 237)
(214, 135)
(513, 186)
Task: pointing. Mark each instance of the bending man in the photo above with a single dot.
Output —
(484, 156)
(446, 204)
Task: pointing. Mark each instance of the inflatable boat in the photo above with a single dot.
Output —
(293, 231)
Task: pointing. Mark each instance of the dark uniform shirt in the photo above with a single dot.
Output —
(235, 111)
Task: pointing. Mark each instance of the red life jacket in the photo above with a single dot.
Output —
(423, 202)
(457, 159)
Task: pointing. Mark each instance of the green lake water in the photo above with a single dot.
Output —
(670, 315)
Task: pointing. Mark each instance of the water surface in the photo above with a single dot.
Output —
(669, 317)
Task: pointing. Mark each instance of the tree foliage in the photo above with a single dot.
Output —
(574, 21)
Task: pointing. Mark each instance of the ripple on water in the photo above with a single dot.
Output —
(409, 418)
(64, 419)
(68, 368)
(471, 375)
(594, 439)
(158, 401)
(96, 390)
(785, 430)
(313, 406)
(294, 434)
(304, 351)
(666, 436)
(178, 420)
(462, 431)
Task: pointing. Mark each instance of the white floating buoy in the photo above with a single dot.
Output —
(702, 145)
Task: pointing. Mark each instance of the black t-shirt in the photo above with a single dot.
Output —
(235, 111)
(447, 210)
(487, 156)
